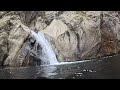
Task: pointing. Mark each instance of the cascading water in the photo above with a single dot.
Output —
(48, 55)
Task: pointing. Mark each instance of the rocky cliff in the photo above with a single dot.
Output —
(74, 35)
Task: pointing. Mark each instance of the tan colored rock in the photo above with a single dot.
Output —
(3, 46)
(83, 36)
(73, 35)
(55, 29)
(15, 41)
(38, 24)
(67, 45)
(4, 21)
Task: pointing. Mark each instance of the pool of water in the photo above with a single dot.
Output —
(105, 68)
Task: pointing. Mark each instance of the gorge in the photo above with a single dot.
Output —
(39, 38)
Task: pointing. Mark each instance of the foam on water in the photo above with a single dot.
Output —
(66, 63)
(63, 63)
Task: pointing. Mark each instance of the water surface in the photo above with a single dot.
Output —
(106, 68)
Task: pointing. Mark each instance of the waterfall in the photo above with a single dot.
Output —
(48, 55)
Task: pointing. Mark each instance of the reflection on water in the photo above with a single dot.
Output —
(106, 68)
(46, 71)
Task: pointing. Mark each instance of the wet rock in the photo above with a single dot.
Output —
(28, 55)
(59, 56)
(53, 31)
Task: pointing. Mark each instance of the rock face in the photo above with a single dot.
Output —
(83, 36)
(16, 39)
(29, 54)
(12, 38)
(57, 27)
(3, 47)
(110, 34)
(73, 35)
(76, 34)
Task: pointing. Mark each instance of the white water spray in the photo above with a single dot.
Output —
(49, 56)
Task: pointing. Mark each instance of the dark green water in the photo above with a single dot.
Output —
(106, 68)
